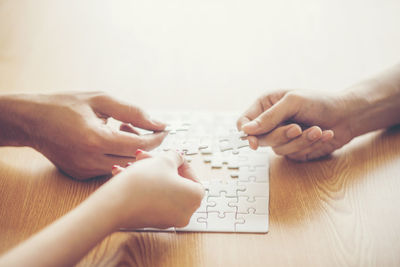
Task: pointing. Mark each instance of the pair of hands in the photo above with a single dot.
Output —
(71, 130)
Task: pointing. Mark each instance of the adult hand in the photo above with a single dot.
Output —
(71, 131)
(297, 124)
(160, 191)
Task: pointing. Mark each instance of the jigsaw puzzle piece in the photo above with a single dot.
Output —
(219, 159)
(221, 204)
(244, 205)
(215, 188)
(247, 174)
(190, 146)
(253, 160)
(203, 204)
(197, 223)
(174, 126)
(233, 142)
(257, 223)
(253, 190)
(218, 223)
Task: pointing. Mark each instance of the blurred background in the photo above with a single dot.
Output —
(185, 54)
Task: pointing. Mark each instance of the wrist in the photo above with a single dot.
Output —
(371, 105)
(16, 119)
(111, 203)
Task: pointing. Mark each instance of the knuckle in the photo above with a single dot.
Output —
(94, 142)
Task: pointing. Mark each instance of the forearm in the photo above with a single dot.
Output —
(375, 103)
(15, 115)
(68, 239)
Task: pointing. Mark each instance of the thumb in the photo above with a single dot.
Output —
(272, 117)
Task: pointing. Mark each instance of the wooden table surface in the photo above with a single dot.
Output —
(335, 212)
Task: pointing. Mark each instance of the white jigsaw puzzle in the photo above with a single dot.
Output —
(237, 204)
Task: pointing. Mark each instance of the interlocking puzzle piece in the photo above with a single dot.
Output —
(190, 146)
(215, 188)
(221, 204)
(197, 223)
(252, 223)
(203, 204)
(252, 160)
(247, 174)
(207, 145)
(253, 190)
(221, 223)
(233, 142)
(244, 205)
(218, 160)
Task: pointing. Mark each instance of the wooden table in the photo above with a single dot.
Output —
(339, 211)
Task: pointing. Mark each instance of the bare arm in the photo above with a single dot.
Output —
(304, 125)
(70, 130)
(137, 197)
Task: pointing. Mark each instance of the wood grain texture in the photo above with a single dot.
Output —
(339, 211)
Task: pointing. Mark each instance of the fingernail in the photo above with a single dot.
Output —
(138, 152)
(252, 124)
(293, 132)
(114, 167)
(314, 134)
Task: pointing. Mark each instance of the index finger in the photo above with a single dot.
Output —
(126, 112)
(268, 120)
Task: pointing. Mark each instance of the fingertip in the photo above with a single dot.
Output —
(240, 122)
(253, 142)
(159, 125)
(314, 133)
(293, 131)
(141, 154)
(116, 169)
(327, 135)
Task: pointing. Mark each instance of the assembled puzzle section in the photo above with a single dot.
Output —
(239, 201)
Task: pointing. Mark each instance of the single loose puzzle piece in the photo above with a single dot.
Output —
(174, 126)
(252, 223)
(247, 174)
(253, 190)
(197, 223)
(233, 142)
(244, 205)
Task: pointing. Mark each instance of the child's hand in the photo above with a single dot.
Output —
(159, 191)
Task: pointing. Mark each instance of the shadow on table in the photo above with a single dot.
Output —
(298, 191)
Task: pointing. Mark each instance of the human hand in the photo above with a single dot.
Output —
(71, 131)
(160, 191)
(299, 125)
